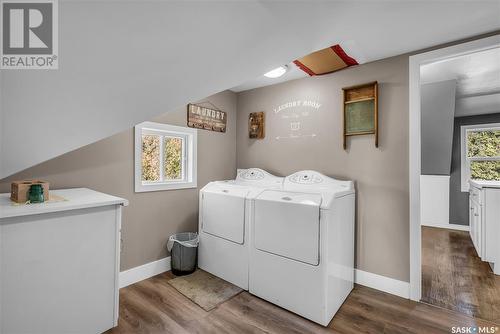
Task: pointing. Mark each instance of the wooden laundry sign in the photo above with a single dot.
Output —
(206, 118)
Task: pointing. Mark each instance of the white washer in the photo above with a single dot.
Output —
(225, 213)
(302, 251)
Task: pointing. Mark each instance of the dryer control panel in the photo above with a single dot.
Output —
(310, 180)
(251, 174)
(258, 177)
(306, 177)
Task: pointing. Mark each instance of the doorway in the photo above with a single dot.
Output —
(415, 161)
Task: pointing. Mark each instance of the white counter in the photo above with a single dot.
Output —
(76, 198)
(485, 184)
(59, 263)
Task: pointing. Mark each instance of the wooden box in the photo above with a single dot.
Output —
(19, 190)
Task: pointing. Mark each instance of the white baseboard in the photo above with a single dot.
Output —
(382, 283)
(143, 272)
(448, 226)
(374, 281)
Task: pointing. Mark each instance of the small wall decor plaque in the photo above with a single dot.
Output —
(361, 111)
(256, 125)
(201, 117)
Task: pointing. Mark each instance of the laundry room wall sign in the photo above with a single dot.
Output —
(201, 117)
(298, 115)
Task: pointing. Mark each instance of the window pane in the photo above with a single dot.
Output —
(172, 153)
(483, 143)
(150, 158)
(485, 170)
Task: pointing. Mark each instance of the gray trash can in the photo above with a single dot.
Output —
(183, 248)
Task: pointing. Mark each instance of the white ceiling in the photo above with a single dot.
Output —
(476, 73)
(478, 80)
(261, 81)
(123, 62)
(294, 72)
(477, 105)
(407, 26)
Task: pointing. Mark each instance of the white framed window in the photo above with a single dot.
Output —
(165, 157)
(480, 153)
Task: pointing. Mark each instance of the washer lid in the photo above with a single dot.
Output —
(291, 197)
(228, 189)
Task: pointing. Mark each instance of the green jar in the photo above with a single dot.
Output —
(35, 194)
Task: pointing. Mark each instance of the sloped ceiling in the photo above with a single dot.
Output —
(437, 112)
(121, 63)
(478, 80)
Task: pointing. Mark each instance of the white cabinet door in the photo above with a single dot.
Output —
(479, 239)
(471, 219)
(475, 226)
(491, 226)
(59, 271)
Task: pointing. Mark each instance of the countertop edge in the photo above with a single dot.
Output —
(481, 184)
(72, 203)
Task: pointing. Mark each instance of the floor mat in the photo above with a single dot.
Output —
(205, 289)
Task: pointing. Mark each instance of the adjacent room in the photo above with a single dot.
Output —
(460, 182)
(249, 167)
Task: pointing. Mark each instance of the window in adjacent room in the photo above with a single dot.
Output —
(480, 153)
(165, 157)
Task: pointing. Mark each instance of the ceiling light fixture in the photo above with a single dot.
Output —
(277, 72)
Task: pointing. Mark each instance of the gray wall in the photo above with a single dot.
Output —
(381, 174)
(459, 201)
(438, 110)
(1, 125)
(108, 166)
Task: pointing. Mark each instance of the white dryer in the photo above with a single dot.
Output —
(302, 251)
(225, 213)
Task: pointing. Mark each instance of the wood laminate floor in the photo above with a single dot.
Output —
(454, 277)
(153, 306)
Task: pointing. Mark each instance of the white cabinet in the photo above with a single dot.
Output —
(59, 264)
(475, 225)
(484, 220)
